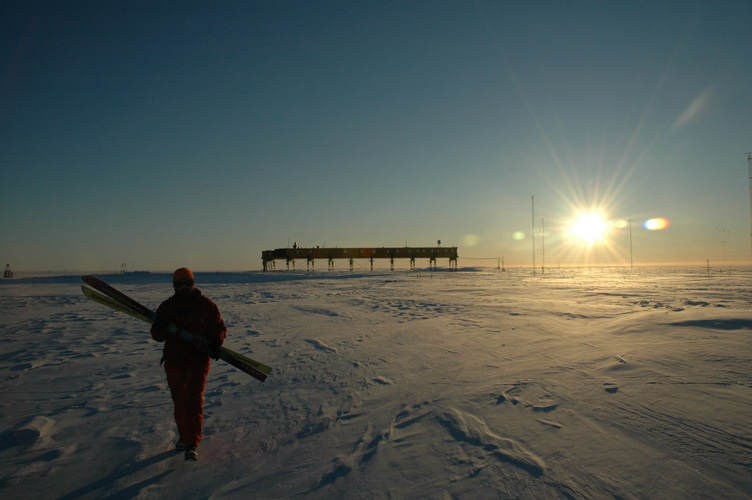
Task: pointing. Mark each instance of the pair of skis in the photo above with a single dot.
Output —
(107, 295)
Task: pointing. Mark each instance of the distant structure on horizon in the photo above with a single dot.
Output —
(270, 257)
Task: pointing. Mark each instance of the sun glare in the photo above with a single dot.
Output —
(590, 227)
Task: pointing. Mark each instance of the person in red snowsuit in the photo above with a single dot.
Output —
(186, 365)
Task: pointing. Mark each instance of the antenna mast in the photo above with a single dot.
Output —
(532, 198)
(749, 172)
(631, 260)
(543, 247)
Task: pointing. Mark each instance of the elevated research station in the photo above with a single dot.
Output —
(290, 255)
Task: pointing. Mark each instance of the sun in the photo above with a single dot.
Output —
(589, 227)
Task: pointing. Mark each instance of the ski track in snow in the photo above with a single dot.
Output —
(391, 385)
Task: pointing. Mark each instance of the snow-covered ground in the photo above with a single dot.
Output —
(467, 385)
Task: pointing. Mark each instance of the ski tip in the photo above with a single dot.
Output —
(93, 281)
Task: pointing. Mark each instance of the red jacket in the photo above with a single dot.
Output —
(197, 314)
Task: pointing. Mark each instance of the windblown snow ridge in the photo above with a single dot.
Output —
(473, 430)
(320, 346)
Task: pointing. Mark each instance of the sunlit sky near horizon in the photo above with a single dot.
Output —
(167, 134)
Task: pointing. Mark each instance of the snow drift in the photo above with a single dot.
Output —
(575, 384)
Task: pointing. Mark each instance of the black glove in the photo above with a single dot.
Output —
(209, 347)
(214, 345)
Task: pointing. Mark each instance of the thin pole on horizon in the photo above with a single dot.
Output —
(631, 260)
(543, 247)
(749, 173)
(532, 197)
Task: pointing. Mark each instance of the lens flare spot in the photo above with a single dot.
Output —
(656, 224)
(518, 236)
(620, 224)
(470, 240)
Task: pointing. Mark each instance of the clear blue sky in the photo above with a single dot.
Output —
(163, 134)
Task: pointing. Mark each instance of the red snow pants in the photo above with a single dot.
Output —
(187, 389)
